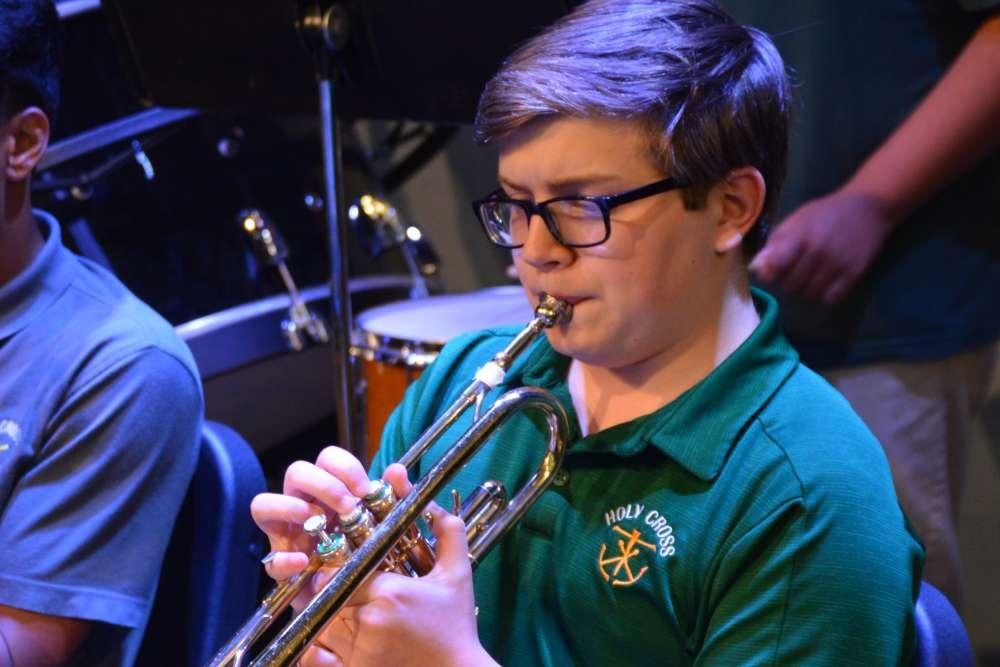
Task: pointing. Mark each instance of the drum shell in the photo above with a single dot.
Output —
(394, 342)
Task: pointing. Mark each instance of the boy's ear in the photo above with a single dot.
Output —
(27, 136)
(742, 193)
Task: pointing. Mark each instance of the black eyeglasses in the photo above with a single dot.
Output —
(576, 222)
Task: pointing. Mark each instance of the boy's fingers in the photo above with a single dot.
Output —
(308, 481)
(346, 468)
(396, 476)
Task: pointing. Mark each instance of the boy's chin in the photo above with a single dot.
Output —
(570, 345)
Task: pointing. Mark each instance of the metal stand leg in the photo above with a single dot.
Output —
(340, 299)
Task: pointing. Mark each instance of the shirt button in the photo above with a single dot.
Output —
(561, 478)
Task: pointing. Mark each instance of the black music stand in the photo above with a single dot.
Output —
(420, 59)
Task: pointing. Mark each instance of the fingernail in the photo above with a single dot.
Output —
(269, 557)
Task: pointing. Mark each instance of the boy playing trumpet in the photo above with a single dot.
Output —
(718, 503)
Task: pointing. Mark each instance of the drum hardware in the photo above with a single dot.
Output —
(140, 156)
(87, 244)
(242, 356)
(325, 32)
(433, 139)
(80, 186)
(394, 541)
(313, 202)
(70, 8)
(302, 324)
(380, 228)
(80, 193)
(110, 133)
(228, 146)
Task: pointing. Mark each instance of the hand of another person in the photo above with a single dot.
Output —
(823, 248)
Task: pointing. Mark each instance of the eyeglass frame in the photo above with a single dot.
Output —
(604, 202)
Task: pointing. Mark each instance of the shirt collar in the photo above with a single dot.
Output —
(698, 428)
(33, 290)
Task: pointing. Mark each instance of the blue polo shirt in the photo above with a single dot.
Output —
(100, 413)
(751, 521)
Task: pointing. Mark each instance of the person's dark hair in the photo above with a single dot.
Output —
(714, 94)
(29, 74)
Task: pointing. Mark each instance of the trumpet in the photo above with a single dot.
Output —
(381, 533)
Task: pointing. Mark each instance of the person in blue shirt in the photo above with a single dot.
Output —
(887, 255)
(100, 406)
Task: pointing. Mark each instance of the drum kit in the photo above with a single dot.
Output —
(277, 349)
(245, 353)
(242, 353)
(279, 366)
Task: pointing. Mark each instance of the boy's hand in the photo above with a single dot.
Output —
(427, 620)
(400, 620)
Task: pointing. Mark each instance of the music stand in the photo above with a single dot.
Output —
(420, 59)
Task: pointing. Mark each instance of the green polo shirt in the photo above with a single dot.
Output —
(750, 521)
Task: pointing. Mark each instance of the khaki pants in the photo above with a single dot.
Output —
(923, 414)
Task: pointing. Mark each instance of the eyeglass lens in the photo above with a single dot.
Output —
(579, 221)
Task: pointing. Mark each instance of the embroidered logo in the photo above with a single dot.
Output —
(645, 536)
(10, 434)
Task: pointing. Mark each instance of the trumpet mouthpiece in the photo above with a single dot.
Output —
(553, 311)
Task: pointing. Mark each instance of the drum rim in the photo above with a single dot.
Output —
(219, 320)
(401, 353)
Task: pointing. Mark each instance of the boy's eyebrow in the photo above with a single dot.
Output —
(572, 184)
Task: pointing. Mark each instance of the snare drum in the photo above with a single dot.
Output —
(396, 341)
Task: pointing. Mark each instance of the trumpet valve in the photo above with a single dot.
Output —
(328, 547)
(380, 499)
(357, 525)
(412, 554)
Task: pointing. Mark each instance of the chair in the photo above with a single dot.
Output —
(941, 637)
(209, 583)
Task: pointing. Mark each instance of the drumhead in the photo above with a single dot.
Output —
(412, 332)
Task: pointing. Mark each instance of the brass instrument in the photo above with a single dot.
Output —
(381, 532)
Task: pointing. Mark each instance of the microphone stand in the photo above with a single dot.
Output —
(325, 32)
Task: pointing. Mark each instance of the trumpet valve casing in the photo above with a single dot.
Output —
(411, 555)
